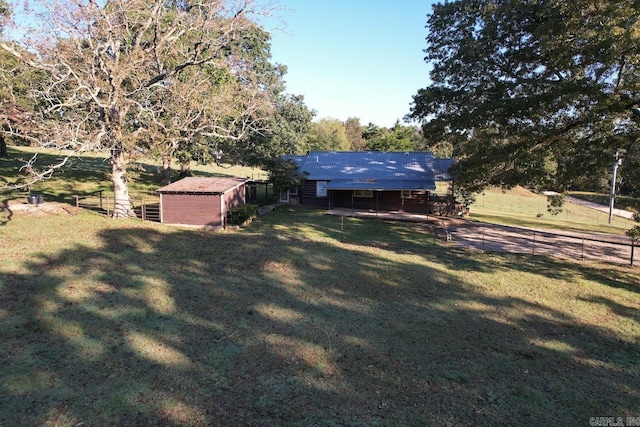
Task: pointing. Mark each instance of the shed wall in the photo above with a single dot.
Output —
(191, 209)
(235, 198)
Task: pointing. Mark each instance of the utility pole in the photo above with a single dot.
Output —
(612, 198)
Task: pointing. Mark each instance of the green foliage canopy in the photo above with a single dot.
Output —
(398, 138)
(327, 135)
(531, 92)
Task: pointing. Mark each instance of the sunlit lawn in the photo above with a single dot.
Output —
(301, 321)
(521, 207)
(89, 173)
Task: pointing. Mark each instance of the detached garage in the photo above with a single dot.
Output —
(201, 201)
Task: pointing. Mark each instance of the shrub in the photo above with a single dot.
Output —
(555, 203)
(242, 215)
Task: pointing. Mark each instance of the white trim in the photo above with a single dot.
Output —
(321, 188)
(363, 193)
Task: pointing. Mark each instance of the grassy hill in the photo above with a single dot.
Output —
(521, 207)
(300, 319)
(90, 173)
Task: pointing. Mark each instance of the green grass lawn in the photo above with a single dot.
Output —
(89, 173)
(520, 207)
(299, 320)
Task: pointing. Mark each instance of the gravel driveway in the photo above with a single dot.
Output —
(601, 247)
(563, 244)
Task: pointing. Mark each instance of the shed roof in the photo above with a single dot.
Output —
(203, 185)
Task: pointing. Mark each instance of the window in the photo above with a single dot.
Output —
(405, 194)
(293, 192)
(363, 193)
(321, 188)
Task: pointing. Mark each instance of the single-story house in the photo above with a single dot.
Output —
(201, 201)
(394, 181)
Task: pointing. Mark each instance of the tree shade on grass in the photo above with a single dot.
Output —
(132, 323)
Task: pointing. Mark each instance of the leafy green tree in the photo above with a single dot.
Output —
(354, 134)
(398, 138)
(284, 174)
(532, 93)
(285, 133)
(555, 202)
(5, 13)
(115, 71)
(327, 135)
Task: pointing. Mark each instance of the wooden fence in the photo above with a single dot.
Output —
(145, 207)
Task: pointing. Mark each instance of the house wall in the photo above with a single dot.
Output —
(191, 209)
(309, 198)
(386, 200)
(382, 200)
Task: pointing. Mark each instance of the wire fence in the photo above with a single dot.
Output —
(576, 246)
(144, 207)
(461, 232)
(388, 233)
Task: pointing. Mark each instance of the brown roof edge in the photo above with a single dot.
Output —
(203, 185)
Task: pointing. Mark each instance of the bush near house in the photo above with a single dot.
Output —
(242, 215)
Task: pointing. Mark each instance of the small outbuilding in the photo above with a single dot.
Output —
(201, 202)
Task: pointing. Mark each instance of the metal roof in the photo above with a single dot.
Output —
(376, 170)
(383, 185)
(202, 185)
(298, 160)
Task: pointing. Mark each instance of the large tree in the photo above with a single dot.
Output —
(354, 133)
(397, 138)
(530, 92)
(327, 135)
(116, 68)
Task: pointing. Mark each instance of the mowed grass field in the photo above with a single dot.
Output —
(299, 321)
(524, 208)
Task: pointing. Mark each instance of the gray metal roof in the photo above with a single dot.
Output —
(298, 160)
(381, 185)
(376, 170)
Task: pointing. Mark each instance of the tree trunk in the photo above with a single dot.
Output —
(185, 170)
(4, 154)
(166, 170)
(122, 202)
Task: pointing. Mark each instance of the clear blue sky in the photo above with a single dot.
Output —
(353, 58)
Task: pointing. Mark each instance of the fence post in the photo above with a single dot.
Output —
(582, 251)
(77, 203)
(632, 248)
(142, 210)
(100, 193)
(342, 226)
(534, 243)
(108, 208)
